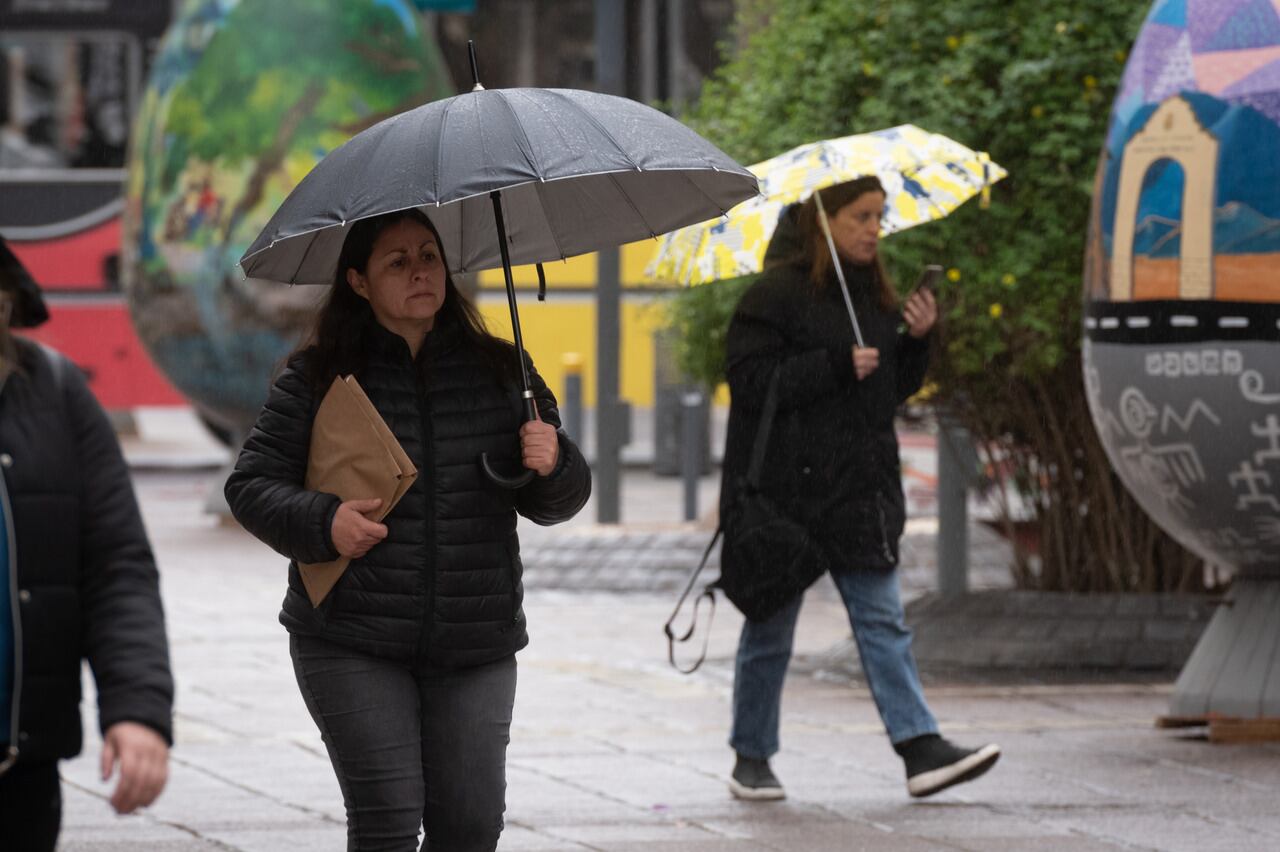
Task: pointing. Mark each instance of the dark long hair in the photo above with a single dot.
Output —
(816, 256)
(336, 344)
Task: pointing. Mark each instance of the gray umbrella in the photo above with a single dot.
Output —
(578, 171)
(555, 172)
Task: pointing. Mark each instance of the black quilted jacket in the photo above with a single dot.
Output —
(444, 588)
(82, 574)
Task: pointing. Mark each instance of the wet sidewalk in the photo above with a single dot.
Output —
(612, 750)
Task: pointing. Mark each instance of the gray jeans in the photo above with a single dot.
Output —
(411, 747)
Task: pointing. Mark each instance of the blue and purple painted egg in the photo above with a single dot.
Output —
(1182, 279)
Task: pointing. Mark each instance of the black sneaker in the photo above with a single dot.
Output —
(754, 780)
(934, 764)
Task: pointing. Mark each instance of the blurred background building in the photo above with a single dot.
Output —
(73, 82)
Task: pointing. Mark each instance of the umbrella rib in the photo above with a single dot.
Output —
(551, 118)
(613, 178)
(537, 192)
(527, 147)
(598, 126)
(305, 253)
(444, 123)
(684, 173)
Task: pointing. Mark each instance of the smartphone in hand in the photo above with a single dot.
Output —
(929, 279)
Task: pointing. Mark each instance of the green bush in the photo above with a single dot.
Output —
(1031, 83)
(700, 317)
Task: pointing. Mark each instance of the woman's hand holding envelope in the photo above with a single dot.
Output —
(353, 534)
(353, 455)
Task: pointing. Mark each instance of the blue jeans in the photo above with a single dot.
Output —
(411, 747)
(884, 645)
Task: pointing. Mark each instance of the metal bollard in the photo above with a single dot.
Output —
(956, 466)
(692, 412)
(571, 405)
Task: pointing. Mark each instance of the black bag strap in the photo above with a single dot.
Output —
(707, 594)
(761, 446)
(758, 450)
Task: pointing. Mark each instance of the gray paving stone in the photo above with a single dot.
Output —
(611, 750)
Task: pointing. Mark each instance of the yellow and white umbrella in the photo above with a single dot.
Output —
(925, 175)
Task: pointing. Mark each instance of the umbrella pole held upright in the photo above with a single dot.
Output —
(530, 412)
(835, 261)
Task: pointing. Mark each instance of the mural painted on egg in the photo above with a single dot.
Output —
(1182, 279)
(244, 98)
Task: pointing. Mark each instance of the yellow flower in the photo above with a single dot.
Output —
(946, 79)
(868, 69)
(1121, 56)
(1060, 27)
(996, 310)
(1037, 111)
(1090, 81)
(953, 275)
(953, 42)
(1009, 279)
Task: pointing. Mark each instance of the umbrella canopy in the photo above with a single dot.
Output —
(577, 171)
(925, 175)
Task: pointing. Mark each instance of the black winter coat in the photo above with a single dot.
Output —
(444, 588)
(82, 575)
(832, 461)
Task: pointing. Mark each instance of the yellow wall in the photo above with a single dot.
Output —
(566, 322)
(579, 272)
(561, 325)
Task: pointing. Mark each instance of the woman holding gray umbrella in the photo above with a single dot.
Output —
(432, 600)
(407, 666)
(832, 465)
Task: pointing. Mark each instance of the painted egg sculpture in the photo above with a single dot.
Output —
(244, 98)
(1182, 279)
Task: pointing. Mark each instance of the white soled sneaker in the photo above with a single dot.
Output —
(934, 764)
(754, 781)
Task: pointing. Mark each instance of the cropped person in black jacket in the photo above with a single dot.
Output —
(77, 581)
(408, 665)
(832, 465)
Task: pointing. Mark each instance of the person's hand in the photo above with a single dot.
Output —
(539, 445)
(143, 756)
(353, 534)
(920, 312)
(865, 361)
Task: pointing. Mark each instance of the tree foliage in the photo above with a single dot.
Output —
(1032, 84)
(1029, 82)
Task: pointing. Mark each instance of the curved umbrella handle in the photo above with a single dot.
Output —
(512, 482)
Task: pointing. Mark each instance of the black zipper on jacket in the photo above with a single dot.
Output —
(429, 496)
(10, 756)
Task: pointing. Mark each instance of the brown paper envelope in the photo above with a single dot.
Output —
(354, 455)
(408, 473)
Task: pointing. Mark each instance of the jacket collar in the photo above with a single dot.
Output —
(387, 343)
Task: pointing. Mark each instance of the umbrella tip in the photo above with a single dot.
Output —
(475, 72)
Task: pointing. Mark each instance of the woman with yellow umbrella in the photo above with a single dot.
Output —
(833, 387)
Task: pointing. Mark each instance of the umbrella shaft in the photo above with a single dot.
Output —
(835, 260)
(496, 197)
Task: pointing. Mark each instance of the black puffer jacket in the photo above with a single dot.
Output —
(85, 584)
(832, 461)
(444, 587)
